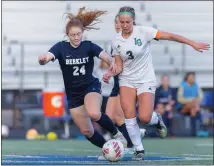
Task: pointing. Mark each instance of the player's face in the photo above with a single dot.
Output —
(75, 35)
(126, 23)
(165, 81)
(191, 79)
(117, 25)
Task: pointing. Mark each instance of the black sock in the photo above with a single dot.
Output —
(97, 139)
(106, 123)
(124, 131)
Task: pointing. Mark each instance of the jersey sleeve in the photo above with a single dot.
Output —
(95, 50)
(55, 50)
(151, 33)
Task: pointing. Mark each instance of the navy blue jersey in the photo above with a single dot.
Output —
(163, 96)
(77, 64)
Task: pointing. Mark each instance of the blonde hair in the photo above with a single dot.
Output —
(84, 19)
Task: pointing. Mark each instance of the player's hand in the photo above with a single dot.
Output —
(42, 59)
(196, 101)
(172, 102)
(201, 46)
(106, 77)
(168, 107)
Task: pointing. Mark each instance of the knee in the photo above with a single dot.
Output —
(87, 132)
(128, 112)
(146, 119)
(94, 115)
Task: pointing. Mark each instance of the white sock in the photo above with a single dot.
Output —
(154, 119)
(134, 133)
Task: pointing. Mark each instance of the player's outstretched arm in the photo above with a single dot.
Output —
(174, 37)
(44, 59)
(106, 57)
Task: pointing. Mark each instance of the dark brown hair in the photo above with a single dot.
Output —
(128, 9)
(188, 74)
(84, 19)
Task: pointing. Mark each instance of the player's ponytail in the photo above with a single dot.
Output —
(84, 19)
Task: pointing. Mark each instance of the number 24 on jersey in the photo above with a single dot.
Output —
(79, 70)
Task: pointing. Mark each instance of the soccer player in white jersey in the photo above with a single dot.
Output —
(137, 81)
(113, 106)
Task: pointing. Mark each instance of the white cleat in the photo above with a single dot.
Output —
(139, 155)
(161, 128)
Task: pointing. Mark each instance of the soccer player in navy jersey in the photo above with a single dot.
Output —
(164, 102)
(83, 90)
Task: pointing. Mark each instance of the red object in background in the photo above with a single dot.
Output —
(53, 104)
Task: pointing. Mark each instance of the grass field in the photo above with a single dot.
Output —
(179, 151)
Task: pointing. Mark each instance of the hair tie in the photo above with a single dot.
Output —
(129, 13)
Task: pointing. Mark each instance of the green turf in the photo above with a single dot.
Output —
(200, 148)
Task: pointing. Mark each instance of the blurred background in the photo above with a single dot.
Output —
(33, 101)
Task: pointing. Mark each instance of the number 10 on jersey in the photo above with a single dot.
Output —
(78, 70)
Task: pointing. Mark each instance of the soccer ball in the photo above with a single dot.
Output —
(51, 136)
(113, 150)
(4, 131)
(32, 134)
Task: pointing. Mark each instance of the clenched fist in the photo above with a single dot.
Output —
(42, 59)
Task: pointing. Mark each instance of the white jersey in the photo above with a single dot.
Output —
(136, 55)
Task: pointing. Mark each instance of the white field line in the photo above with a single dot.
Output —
(187, 156)
(182, 154)
(204, 145)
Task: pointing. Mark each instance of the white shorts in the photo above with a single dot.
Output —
(140, 87)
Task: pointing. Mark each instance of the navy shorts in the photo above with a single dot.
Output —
(116, 89)
(76, 99)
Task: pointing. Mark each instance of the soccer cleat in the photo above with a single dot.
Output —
(138, 155)
(129, 151)
(119, 136)
(161, 128)
(143, 133)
